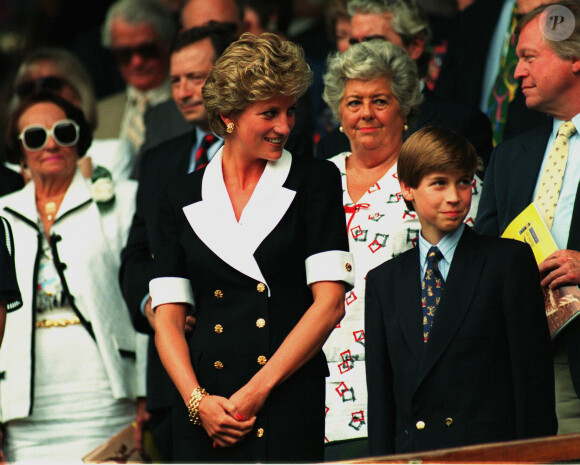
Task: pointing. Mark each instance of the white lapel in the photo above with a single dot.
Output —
(77, 193)
(23, 202)
(214, 221)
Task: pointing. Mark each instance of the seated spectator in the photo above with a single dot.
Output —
(405, 24)
(73, 364)
(139, 34)
(58, 70)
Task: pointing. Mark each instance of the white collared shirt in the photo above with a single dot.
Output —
(446, 246)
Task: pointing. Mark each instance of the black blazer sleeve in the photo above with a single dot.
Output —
(381, 400)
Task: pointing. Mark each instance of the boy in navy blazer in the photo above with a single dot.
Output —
(475, 366)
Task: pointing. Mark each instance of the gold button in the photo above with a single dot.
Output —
(218, 365)
(262, 360)
(261, 287)
(449, 421)
(218, 329)
(348, 267)
(260, 323)
(420, 424)
(260, 432)
(218, 294)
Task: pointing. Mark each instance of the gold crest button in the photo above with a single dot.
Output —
(262, 360)
(260, 323)
(261, 287)
(218, 329)
(260, 432)
(348, 267)
(218, 294)
(218, 365)
(420, 424)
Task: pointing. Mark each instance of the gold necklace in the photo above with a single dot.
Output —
(50, 207)
(50, 210)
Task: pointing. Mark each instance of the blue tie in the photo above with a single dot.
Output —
(431, 290)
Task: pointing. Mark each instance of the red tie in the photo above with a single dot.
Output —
(201, 155)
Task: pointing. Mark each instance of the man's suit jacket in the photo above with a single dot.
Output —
(163, 122)
(467, 121)
(486, 373)
(158, 166)
(509, 186)
(463, 65)
(110, 112)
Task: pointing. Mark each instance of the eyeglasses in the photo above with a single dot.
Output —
(51, 83)
(65, 133)
(354, 40)
(147, 51)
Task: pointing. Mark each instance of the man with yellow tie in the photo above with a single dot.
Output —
(543, 166)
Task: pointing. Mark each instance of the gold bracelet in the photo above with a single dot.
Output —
(193, 404)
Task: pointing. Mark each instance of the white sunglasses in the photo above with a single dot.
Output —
(64, 132)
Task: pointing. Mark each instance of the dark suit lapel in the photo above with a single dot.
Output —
(526, 164)
(462, 281)
(574, 234)
(409, 294)
(183, 160)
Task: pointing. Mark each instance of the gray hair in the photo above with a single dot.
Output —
(409, 19)
(568, 47)
(152, 12)
(68, 68)
(372, 60)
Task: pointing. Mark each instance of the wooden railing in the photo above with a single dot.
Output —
(563, 448)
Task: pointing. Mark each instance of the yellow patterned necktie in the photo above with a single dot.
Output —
(551, 181)
(136, 127)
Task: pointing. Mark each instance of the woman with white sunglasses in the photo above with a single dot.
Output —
(71, 364)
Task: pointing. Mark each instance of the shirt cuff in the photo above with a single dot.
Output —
(334, 265)
(170, 291)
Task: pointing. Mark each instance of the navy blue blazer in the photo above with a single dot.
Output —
(486, 373)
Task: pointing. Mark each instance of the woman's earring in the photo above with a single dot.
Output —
(230, 127)
(406, 127)
(340, 129)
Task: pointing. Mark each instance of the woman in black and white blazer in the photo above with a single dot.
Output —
(256, 244)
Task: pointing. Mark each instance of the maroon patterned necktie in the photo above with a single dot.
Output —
(201, 155)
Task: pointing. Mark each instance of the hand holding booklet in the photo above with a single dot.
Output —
(562, 303)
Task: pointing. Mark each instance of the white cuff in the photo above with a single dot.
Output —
(170, 291)
(334, 265)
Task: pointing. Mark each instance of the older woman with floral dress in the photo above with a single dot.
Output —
(373, 90)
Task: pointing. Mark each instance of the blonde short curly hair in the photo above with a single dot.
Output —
(253, 69)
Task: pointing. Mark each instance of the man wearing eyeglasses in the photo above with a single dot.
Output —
(139, 34)
(404, 23)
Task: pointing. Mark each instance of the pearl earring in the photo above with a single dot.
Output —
(340, 129)
(405, 127)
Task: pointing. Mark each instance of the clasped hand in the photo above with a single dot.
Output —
(228, 421)
(561, 268)
(223, 422)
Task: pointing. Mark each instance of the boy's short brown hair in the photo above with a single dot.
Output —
(432, 149)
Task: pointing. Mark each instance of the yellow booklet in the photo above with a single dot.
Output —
(563, 303)
(529, 227)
